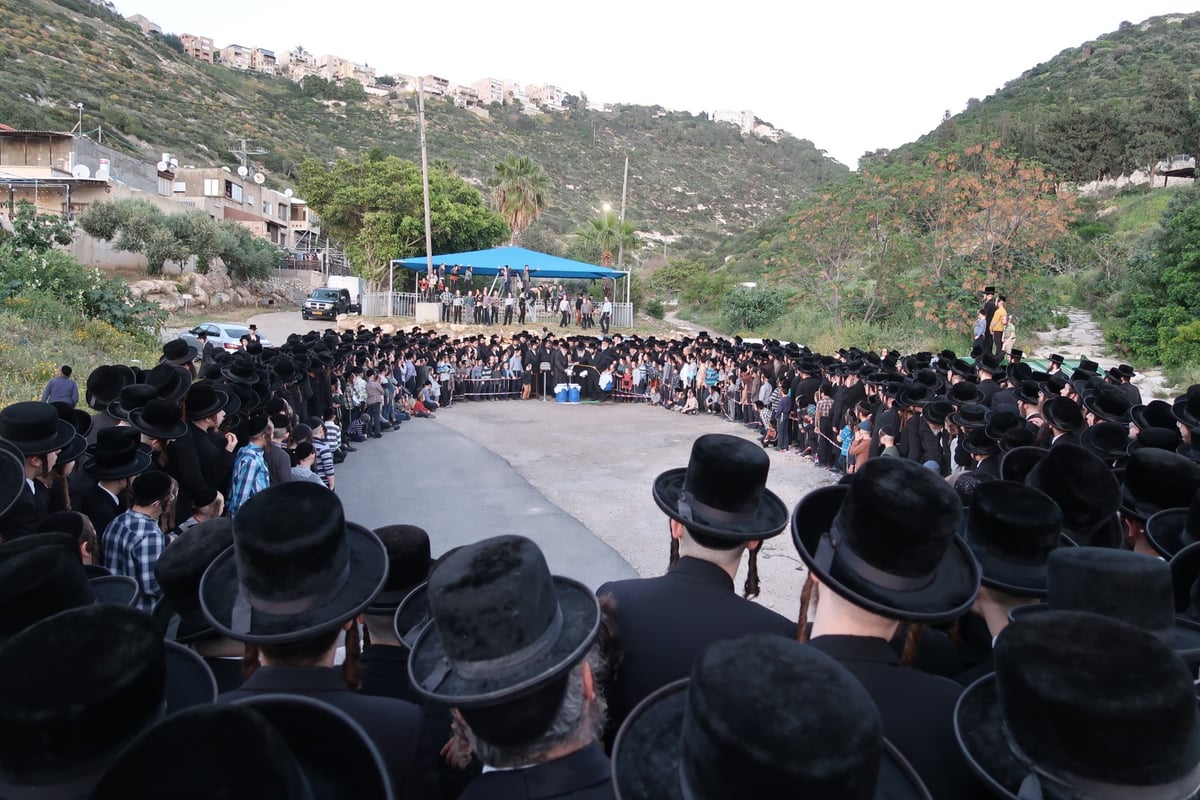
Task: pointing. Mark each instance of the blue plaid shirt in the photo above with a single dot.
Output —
(250, 476)
(132, 543)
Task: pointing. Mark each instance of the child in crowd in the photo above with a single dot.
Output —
(845, 439)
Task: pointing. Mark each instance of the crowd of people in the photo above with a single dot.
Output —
(1002, 594)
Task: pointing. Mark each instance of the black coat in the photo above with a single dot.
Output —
(394, 726)
(30, 508)
(99, 506)
(664, 623)
(197, 461)
(583, 775)
(917, 711)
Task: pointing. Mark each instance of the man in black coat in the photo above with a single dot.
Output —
(38, 434)
(203, 460)
(907, 518)
(559, 359)
(719, 508)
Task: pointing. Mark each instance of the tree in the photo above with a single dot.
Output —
(607, 233)
(1163, 122)
(385, 80)
(1087, 144)
(245, 255)
(39, 233)
(519, 188)
(375, 206)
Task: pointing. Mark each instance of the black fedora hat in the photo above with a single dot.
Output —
(979, 443)
(117, 453)
(179, 570)
(1108, 440)
(160, 419)
(60, 724)
(711, 736)
(177, 351)
(1155, 414)
(1156, 480)
(1187, 409)
(1063, 413)
(171, 383)
(12, 474)
(888, 542)
(1160, 438)
(1003, 418)
(1012, 530)
(1018, 462)
(722, 493)
(503, 626)
(103, 385)
(1173, 529)
(34, 428)
(240, 369)
(412, 615)
(970, 415)
(914, 395)
(205, 399)
(43, 576)
(1109, 403)
(409, 561)
(284, 746)
(131, 397)
(296, 568)
(1127, 722)
(990, 364)
(1185, 577)
(1135, 588)
(1086, 490)
(963, 393)
(1027, 392)
(1019, 436)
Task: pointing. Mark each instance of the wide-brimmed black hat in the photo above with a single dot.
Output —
(1132, 587)
(888, 542)
(41, 575)
(503, 626)
(1155, 480)
(177, 352)
(104, 384)
(1173, 529)
(1185, 577)
(1063, 413)
(1155, 414)
(970, 415)
(989, 363)
(34, 428)
(296, 568)
(1128, 720)
(132, 397)
(1109, 440)
(722, 493)
(204, 400)
(160, 419)
(285, 746)
(170, 383)
(1027, 392)
(70, 700)
(12, 474)
(117, 453)
(240, 369)
(1109, 403)
(1085, 489)
(409, 561)
(179, 570)
(914, 395)
(1187, 409)
(818, 734)
(979, 443)
(1155, 438)
(1012, 529)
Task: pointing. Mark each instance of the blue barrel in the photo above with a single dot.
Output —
(562, 395)
(573, 394)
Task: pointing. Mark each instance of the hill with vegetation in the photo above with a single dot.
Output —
(690, 179)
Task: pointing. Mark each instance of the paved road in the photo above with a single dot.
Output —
(460, 492)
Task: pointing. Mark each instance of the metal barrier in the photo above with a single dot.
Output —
(622, 316)
(389, 304)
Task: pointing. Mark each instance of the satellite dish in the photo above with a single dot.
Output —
(243, 171)
(226, 169)
(163, 166)
(288, 193)
(82, 171)
(259, 177)
(174, 161)
(102, 174)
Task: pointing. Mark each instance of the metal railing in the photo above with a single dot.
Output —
(389, 304)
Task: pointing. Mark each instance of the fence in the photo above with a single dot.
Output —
(389, 304)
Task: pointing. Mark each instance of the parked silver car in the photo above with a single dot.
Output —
(222, 334)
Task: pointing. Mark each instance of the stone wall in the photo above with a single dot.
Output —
(213, 290)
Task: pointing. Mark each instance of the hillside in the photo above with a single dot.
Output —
(690, 179)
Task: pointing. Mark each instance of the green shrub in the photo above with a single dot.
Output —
(655, 309)
(753, 309)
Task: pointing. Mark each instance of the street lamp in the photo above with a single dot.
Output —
(79, 125)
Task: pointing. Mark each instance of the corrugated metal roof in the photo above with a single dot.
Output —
(13, 132)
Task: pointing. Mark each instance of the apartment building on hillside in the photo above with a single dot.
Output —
(200, 47)
(234, 56)
(147, 25)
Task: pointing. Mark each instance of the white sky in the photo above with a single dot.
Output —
(851, 78)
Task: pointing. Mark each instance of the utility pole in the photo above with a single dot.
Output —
(621, 221)
(243, 153)
(425, 177)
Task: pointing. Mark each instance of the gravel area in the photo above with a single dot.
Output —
(598, 461)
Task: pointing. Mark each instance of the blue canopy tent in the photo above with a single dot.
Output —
(490, 262)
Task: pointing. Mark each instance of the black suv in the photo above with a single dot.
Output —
(328, 303)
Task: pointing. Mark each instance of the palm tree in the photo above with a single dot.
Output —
(519, 187)
(607, 233)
